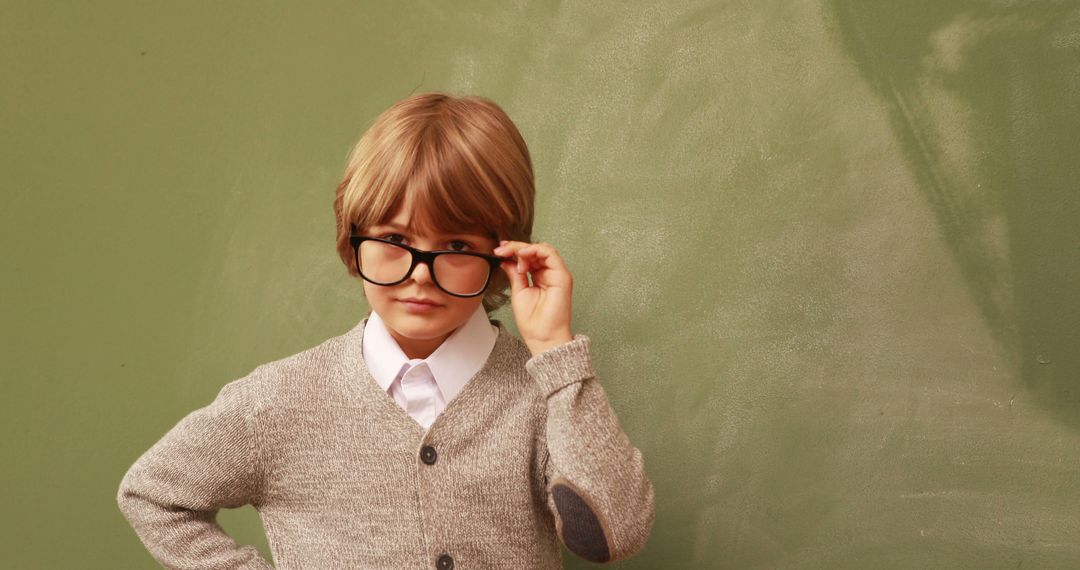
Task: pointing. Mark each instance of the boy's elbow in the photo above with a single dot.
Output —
(126, 499)
(131, 502)
(604, 537)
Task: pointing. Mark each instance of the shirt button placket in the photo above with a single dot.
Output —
(428, 456)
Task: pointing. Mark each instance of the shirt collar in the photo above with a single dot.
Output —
(456, 360)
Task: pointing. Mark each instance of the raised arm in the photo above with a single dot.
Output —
(599, 492)
(172, 494)
(601, 498)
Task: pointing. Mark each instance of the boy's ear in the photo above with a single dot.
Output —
(496, 296)
(499, 282)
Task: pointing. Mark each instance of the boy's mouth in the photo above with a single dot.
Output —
(418, 300)
(417, 305)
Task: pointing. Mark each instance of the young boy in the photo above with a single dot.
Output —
(426, 436)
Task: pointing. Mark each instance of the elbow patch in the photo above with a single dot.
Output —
(583, 530)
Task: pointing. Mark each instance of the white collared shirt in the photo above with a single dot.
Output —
(424, 386)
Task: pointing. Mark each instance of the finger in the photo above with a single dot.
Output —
(510, 248)
(528, 263)
(542, 255)
(540, 260)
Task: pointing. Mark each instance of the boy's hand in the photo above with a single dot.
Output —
(542, 309)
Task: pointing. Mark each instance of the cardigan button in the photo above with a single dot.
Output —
(445, 562)
(428, 456)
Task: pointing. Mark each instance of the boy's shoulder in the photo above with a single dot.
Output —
(510, 345)
(302, 377)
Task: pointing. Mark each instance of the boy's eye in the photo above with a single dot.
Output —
(396, 238)
(458, 245)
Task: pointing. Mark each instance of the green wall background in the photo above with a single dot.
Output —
(827, 250)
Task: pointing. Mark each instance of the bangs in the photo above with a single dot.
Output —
(446, 189)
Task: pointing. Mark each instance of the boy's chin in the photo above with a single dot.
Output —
(421, 327)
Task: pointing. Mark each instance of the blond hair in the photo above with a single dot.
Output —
(459, 161)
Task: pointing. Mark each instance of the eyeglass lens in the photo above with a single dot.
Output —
(459, 274)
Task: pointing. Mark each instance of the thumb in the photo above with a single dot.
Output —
(518, 281)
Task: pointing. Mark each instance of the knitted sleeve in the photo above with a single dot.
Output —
(172, 494)
(601, 497)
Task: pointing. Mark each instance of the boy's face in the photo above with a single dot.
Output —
(420, 327)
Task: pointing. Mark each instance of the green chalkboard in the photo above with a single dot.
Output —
(827, 251)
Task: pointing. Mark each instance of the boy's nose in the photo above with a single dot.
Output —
(421, 273)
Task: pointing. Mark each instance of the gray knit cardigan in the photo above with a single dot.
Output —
(530, 451)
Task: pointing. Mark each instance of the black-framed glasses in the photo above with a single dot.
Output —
(458, 273)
